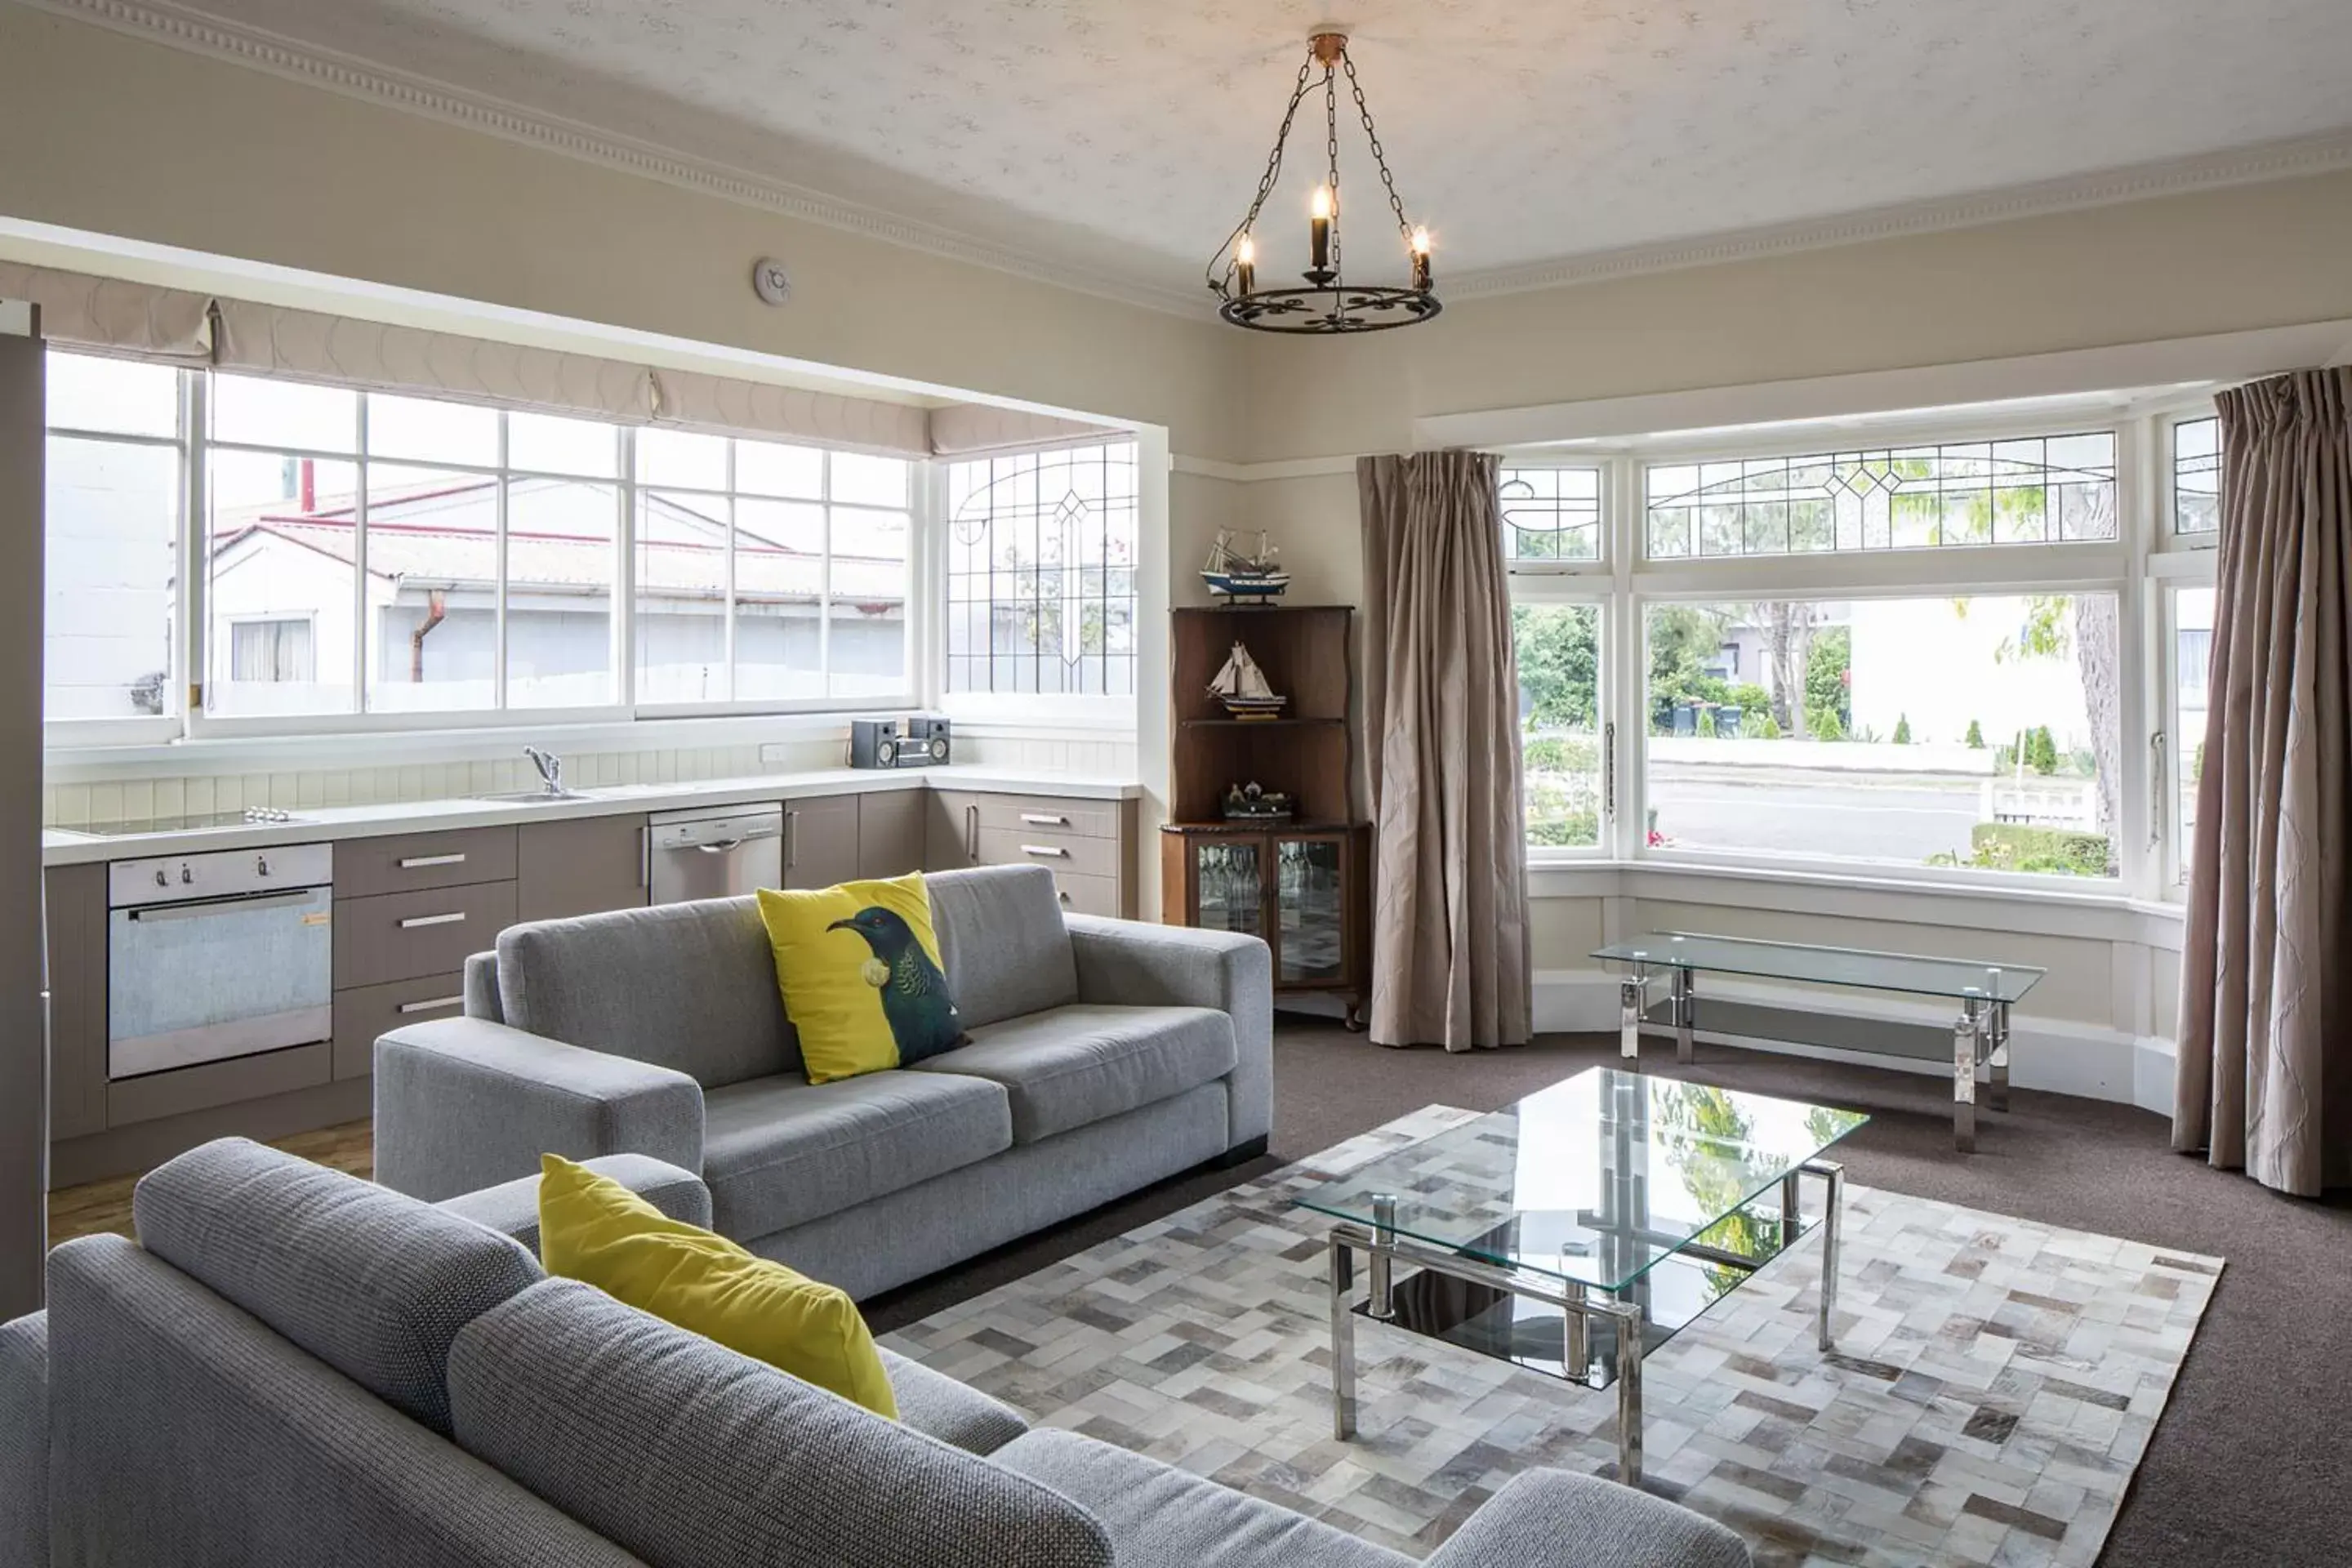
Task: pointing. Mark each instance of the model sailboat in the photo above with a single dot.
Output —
(1241, 687)
(1254, 578)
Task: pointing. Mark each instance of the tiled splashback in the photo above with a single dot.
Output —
(141, 800)
(146, 799)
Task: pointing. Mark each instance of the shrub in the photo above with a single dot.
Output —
(1764, 727)
(1751, 698)
(1824, 724)
(1903, 729)
(1706, 720)
(1976, 736)
(2041, 752)
(2015, 846)
(1574, 831)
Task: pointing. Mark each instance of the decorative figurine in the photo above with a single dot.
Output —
(1241, 687)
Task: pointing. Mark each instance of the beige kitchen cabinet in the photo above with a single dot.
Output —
(582, 867)
(1087, 844)
(77, 979)
(891, 831)
(821, 841)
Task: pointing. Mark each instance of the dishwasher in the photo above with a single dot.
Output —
(218, 955)
(716, 852)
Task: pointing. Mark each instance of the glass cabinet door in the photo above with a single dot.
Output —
(1229, 885)
(1309, 904)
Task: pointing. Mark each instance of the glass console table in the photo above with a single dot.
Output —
(1578, 1230)
(1977, 1044)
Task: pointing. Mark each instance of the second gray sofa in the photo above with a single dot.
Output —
(1104, 1056)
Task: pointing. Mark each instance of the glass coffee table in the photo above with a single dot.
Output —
(1579, 1229)
(1976, 1045)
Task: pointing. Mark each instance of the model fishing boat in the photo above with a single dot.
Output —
(1254, 578)
(1241, 687)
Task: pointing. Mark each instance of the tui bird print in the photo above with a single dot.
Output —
(922, 1016)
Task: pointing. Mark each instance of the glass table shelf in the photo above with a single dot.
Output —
(1918, 976)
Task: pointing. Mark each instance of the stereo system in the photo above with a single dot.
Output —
(921, 741)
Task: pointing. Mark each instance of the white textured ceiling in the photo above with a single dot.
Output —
(1521, 131)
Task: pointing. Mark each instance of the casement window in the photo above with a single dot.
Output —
(1952, 652)
(1040, 562)
(358, 554)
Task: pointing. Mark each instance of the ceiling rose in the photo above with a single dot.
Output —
(1329, 304)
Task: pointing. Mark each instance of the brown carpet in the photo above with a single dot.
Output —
(2246, 1466)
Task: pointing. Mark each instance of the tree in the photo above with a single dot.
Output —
(2085, 625)
(1684, 639)
(1560, 664)
(1903, 729)
(1829, 676)
(2042, 752)
(1976, 736)
(1788, 648)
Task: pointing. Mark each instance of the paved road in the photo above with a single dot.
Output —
(1906, 821)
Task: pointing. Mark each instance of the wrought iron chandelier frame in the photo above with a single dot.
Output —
(1329, 305)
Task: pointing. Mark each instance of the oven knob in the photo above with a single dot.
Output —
(162, 881)
(261, 864)
(187, 875)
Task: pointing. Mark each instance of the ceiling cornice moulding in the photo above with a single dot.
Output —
(353, 78)
(158, 21)
(2320, 154)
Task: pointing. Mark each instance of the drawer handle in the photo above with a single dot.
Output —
(451, 917)
(435, 1005)
(415, 862)
(1043, 819)
(1063, 897)
(1048, 850)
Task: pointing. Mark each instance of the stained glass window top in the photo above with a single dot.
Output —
(1550, 514)
(2035, 490)
(2196, 475)
(1041, 572)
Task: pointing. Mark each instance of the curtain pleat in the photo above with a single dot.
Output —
(2264, 1074)
(1451, 963)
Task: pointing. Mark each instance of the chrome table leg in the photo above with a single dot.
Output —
(1629, 1395)
(1576, 1354)
(1379, 1275)
(1685, 1014)
(1343, 1344)
(1964, 1075)
(1792, 1217)
(1632, 992)
(1834, 1175)
(1997, 1093)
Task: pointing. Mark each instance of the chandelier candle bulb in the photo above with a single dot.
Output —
(1420, 259)
(1245, 264)
(1319, 230)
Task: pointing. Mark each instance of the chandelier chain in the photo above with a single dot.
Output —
(1380, 158)
(1331, 153)
(1273, 172)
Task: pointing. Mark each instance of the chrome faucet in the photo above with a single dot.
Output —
(550, 766)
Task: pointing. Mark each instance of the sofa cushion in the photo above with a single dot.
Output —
(1068, 1065)
(689, 1455)
(690, 986)
(1001, 941)
(780, 1152)
(373, 1283)
(1160, 1517)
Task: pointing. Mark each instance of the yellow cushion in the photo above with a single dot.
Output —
(861, 978)
(593, 1229)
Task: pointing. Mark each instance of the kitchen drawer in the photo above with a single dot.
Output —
(1056, 852)
(407, 936)
(208, 1084)
(1036, 813)
(1087, 895)
(408, 861)
(363, 1013)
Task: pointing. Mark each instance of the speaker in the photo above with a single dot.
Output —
(922, 742)
(928, 738)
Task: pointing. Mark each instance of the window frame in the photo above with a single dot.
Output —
(186, 717)
(2137, 565)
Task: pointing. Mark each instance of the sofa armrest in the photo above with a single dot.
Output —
(955, 1413)
(464, 1103)
(1550, 1519)
(1138, 964)
(24, 1439)
(511, 1208)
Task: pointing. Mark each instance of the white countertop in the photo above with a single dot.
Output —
(64, 846)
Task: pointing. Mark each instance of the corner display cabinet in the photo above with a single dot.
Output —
(1300, 883)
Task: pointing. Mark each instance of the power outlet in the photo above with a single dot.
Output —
(776, 752)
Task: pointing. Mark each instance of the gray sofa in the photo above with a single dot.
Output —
(1104, 1056)
(294, 1368)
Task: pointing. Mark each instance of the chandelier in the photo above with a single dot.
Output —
(1329, 304)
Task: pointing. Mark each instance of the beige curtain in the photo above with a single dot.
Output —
(2266, 1067)
(1450, 961)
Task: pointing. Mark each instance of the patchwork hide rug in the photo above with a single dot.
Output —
(1995, 1383)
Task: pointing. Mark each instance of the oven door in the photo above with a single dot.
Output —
(224, 977)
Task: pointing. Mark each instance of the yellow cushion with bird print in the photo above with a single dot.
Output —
(859, 968)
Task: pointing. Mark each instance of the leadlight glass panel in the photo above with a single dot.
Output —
(2196, 475)
(1550, 514)
(1041, 572)
(2035, 490)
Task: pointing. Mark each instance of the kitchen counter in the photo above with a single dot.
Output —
(65, 846)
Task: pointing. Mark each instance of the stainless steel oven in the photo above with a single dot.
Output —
(218, 955)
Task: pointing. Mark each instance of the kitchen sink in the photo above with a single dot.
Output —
(535, 796)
